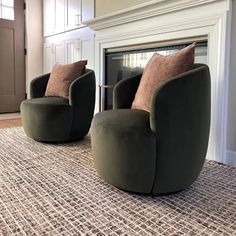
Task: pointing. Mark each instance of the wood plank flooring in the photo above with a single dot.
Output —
(9, 123)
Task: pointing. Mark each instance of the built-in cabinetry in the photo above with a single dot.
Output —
(66, 39)
(64, 15)
(69, 51)
(54, 53)
(72, 50)
(53, 17)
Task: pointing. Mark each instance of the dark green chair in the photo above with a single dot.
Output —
(57, 119)
(160, 152)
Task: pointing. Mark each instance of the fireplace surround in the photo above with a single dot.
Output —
(162, 21)
(121, 63)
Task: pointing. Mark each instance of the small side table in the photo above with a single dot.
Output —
(103, 86)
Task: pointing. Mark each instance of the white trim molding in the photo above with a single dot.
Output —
(167, 20)
(142, 11)
(230, 158)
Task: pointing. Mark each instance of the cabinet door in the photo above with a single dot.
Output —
(48, 58)
(59, 52)
(59, 16)
(49, 19)
(53, 53)
(87, 10)
(87, 51)
(73, 14)
(72, 50)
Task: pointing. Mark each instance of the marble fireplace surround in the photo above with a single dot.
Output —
(159, 21)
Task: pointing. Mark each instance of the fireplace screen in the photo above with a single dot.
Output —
(124, 64)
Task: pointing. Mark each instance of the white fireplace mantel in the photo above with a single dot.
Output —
(159, 21)
(139, 12)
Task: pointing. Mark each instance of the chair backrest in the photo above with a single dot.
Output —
(124, 92)
(82, 98)
(180, 117)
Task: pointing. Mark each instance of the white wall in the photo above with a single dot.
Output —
(34, 40)
(103, 7)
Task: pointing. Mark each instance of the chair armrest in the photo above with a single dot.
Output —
(180, 117)
(82, 94)
(181, 97)
(38, 86)
(82, 88)
(124, 92)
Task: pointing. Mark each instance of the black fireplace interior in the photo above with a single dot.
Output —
(126, 63)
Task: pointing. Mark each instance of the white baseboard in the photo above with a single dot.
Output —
(230, 158)
(8, 116)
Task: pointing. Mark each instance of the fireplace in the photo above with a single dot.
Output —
(180, 21)
(125, 62)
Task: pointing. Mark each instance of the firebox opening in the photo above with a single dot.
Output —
(125, 62)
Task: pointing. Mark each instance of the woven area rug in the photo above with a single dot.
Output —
(53, 189)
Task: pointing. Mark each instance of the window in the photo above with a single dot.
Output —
(7, 9)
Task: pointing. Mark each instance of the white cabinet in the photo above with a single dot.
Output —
(59, 16)
(80, 49)
(69, 51)
(54, 53)
(59, 52)
(48, 60)
(72, 50)
(87, 10)
(78, 11)
(53, 16)
(87, 50)
(65, 47)
(49, 17)
(73, 13)
(65, 15)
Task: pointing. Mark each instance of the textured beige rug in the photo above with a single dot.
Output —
(53, 189)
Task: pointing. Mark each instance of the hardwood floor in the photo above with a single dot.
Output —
(9, 123)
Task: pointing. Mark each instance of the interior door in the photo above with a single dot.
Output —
(12, 58)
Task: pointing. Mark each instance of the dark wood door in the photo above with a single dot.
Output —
(12, 59)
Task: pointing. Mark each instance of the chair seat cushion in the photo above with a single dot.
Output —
(124, 120)
(47, 101)
(47, 119)
(124, 149)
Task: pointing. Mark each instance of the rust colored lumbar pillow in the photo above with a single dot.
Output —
(158, 70)
(62, 76)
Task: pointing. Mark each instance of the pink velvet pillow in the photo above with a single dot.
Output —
(62, 76)
(158, 70)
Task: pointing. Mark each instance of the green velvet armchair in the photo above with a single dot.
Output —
(57, 119)
(160, 152)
